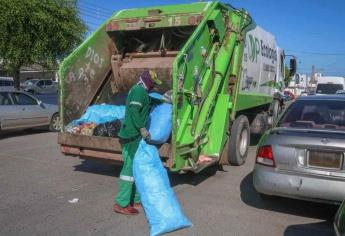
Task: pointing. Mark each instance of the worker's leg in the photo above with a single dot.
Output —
(126, 183)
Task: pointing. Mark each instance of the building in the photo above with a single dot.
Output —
(30, 72)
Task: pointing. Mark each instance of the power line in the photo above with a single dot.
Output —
(81, 9)
(95, 6)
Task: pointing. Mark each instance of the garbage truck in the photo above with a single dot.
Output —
(224, 72)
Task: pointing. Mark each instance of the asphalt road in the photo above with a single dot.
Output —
(37, 182)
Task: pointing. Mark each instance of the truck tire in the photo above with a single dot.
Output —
(55, 123)
(259, 124)
(239, 141)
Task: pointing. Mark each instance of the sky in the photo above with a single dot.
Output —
(311, 30)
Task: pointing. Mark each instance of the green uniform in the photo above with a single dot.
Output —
(137, 111)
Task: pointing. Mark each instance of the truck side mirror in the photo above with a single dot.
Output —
(293, 66)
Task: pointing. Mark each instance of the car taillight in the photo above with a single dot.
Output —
(265, 156)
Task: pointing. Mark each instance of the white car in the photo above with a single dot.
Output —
(20, 110)
(36, 86)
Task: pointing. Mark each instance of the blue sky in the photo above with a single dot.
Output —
(312, 30)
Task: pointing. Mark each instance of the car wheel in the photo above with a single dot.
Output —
(55, 123)
(276, 110)
(239, 141)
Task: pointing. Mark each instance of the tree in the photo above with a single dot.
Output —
(38, 31)
(287, 78)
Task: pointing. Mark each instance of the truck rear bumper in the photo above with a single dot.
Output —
(102, 148)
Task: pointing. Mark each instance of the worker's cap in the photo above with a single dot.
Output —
(150, 79)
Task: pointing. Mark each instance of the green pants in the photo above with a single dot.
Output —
(127, 193)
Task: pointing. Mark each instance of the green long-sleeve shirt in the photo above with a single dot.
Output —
(137, 110)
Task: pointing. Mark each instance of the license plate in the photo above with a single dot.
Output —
(329, 160)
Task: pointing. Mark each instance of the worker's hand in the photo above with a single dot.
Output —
(145, 134)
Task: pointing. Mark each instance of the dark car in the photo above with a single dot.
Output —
(302, 156)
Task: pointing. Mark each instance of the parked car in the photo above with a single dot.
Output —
(6, 83)
(302, 156)
(339, 221)
(20, 110)
(36, 86)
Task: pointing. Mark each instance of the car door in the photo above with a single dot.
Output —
(31, 113)
(8, 114)
(49, 86)
(40, 87)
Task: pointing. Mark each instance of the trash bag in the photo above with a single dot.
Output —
(161, 207)
(100, 130)
(102, 113)
(160, 123)
(155, 95)
(108, 129)
(113, 128)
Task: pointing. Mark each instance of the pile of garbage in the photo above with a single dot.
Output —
(98, 120)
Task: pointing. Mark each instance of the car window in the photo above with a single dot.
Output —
(23, 99)
(40, 83)
(315, 114)
(48, 82)
(5, 99)
(328, 88)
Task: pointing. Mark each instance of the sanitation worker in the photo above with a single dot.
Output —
(138, 105)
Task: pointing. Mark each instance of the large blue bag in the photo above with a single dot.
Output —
(160, 123)
(101, 114)
(161, 207)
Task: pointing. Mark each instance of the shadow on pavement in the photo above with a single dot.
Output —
(110, 169)
(323, 228)
(11, 134)
(285, 205)
(99, 167)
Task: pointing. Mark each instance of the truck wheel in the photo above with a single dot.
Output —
(55, 123)
(259, 124)
(239, 141)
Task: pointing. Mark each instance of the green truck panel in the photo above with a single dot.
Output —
(205, 42)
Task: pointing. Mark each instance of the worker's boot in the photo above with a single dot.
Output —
(128, 210)
(137, 205)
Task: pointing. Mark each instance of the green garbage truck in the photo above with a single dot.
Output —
(225, 74)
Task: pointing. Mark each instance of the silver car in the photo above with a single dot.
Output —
(35, 86)
(19, 110)
(303, 155)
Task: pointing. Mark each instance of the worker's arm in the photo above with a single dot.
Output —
(134, 112)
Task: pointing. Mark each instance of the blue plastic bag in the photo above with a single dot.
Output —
(160, 123)
(162, 209)
(101, 114)
(155, 95)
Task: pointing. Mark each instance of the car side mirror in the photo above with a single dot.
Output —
(41, 104)
(293, 66)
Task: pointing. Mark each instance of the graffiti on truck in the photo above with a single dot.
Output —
(87, 72)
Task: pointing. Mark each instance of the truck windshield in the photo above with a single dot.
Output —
(328, 88)
(315, 114)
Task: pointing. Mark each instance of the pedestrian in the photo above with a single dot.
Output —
(133, 129)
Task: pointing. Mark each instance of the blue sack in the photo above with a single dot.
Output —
(101, 114)
(162, 209)
(160, 123)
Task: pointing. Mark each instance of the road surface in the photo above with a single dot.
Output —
(37, 182)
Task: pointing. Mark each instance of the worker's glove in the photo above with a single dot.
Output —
(145, 134)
